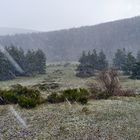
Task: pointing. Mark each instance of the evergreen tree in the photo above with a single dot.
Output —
(136, 71)
(5, 68)
(86, 68)
(90, 62)
(82, 59)
(102, 62)
(40, 60)
(120, 59)
(129, 63)
(138, 56)
(30, 62)
(18, 55)
(94, 59)
(33, 62)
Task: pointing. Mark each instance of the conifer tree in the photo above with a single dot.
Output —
(32, 63)
(129, 64)
(102, 62)
(40, 60)
(90, 62)
(136, 71)
(120, 59)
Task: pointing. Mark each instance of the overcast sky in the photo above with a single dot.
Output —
(45, 15)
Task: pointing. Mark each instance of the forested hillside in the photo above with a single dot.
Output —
(68, 44)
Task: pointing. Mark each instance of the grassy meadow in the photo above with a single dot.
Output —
(117, 118)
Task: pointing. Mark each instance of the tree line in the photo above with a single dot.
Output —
(91, 61)
(128, 63)
(15, 62)
(123, 61)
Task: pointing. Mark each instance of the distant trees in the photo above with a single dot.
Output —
(129, 63)
(89, 62)
(124, 61)
(138, 56)
(18, 56)
(136, 71)
(136, 68)
(35, 62)
(102, 63)
(5, 68)
(32, 62)
(119, 59)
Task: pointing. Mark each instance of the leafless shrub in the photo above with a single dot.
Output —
(108, 85)
(109, 81)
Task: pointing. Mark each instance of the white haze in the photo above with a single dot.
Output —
(45, 15)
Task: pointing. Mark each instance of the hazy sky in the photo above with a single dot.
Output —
(58, 14)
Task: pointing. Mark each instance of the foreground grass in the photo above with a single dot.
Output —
(115, 119)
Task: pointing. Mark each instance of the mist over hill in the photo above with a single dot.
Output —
(13, 31)
(67, 45)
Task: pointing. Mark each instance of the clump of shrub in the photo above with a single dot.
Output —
(26, 98)
(26, 102)
(78, 95)
(108, 86)
(72, 95)
(55, 98)
(27, 92)
(10, 97)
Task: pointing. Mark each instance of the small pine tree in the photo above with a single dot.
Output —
(136, 71)
(5, 68)
(40, 60)
(138, 56)
(129, 64)
(102, 62)
(94, 59)
(18, 55)
(119, 59)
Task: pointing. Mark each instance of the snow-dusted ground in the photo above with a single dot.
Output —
(105, 119)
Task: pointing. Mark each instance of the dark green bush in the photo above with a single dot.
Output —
(72, 95)
(55, 98)
(10, 97)
(83, 92)
(83, 100)
(78, 95)
(26, 102)
(24, 91)
(23, 96)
